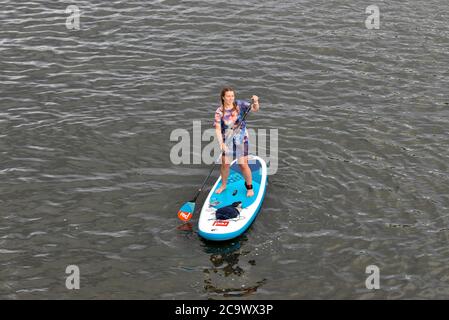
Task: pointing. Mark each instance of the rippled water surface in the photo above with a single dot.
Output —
(85, 171)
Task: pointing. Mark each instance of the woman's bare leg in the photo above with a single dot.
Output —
(246, 171)
(224, 170)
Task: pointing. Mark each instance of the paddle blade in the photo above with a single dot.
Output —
(186, 211)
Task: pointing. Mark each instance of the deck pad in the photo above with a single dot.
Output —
(235, 191)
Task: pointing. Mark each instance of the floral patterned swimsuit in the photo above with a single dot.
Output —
(227, 120)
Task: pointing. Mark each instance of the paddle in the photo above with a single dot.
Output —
(188, 208)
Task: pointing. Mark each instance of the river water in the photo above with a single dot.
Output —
(86, 177)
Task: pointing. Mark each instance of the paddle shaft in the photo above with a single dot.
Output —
(215, 162)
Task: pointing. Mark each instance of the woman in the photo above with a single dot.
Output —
(227, 117)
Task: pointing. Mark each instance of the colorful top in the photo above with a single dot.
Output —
(229, 119)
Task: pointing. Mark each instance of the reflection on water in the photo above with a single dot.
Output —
(229, 275)
(185, 227)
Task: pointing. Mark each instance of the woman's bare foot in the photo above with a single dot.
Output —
(249, 193)
(220, 190)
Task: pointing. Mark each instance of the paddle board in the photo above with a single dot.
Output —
(219, 230)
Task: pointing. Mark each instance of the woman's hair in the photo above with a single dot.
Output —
(223, 92)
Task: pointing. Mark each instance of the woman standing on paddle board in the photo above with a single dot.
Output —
(228, 116)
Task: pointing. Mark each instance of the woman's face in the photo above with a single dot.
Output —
(228, 97)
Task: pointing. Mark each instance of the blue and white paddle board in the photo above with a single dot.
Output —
(219, 230)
